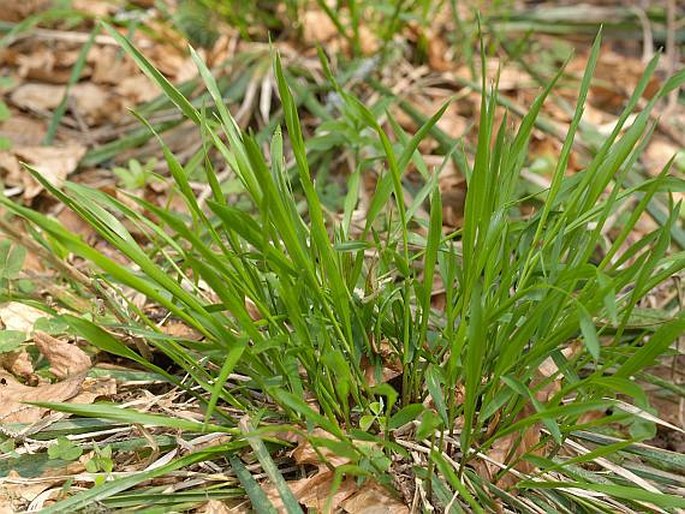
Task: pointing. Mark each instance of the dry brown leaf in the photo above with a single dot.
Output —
(373, 498)
(65, 359)
(54, 163)
(93, 388)
(137, 89)
(36, 96)
(453, 194)
(18, 363)
(657, 154)
(305, 453)
(13, 393)
(11, 10)
(97, 8)
(21, 490)
(314, 492)
(317, 27)
(108, 67)
(42, 65)
(21, 130)
(18, 316)
(214, 507)
(95, 104)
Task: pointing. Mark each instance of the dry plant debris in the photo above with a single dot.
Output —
(96, 103)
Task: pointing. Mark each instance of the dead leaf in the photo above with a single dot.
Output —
(37, 96)
(54, 163)
(21, 130)
(373, 498)
(214, 507)
(317, 27)
(13, 11)
(97, 8)
(453, 191)
(18, 363)
(305, 453)
(314, 492)
(65, 359)
(94, 103)
(137, 89)
(108, 67)
(13, 393)
(18, 316)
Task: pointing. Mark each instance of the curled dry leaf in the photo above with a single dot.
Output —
(54, 163)
(13, 393)
(18, 363)
(65, 359)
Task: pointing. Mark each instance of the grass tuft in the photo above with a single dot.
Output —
(301, 311)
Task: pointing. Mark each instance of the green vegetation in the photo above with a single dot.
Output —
(301, 308)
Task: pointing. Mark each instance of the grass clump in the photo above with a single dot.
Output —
(301, 310)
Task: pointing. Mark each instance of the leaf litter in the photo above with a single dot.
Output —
(110, 84)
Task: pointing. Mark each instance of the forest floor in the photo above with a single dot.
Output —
(68, 90)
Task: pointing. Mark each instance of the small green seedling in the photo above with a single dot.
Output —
(64, 449)
(137, 175)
